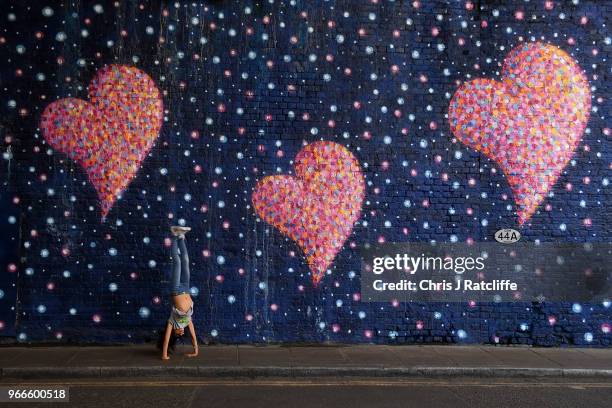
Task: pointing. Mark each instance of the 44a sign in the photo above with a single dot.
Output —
(507, 236)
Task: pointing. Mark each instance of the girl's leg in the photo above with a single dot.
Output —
(176, 265)
(184, 263)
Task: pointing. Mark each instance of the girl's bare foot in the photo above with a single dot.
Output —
(165, 358)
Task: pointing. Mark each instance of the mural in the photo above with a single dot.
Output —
(289, 135)
(530, 122)
(112, 133)
(319, 206)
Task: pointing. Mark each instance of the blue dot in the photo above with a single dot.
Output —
(576, 308)
(144, 312)
(461, 334)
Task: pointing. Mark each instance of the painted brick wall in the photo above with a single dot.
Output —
(245, 85)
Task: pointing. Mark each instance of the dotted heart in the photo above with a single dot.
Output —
(319, 206)
(111, 134)
(530, 122)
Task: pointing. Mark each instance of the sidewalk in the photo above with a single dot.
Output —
(302, 361)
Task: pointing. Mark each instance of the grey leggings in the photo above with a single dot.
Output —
(180, 266)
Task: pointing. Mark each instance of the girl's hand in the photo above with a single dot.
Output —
(194, 354)
(165, 357)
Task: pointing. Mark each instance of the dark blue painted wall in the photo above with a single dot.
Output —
(224, 69)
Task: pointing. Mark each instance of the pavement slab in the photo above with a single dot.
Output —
(303, 361)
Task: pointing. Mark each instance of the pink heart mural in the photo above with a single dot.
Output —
(530, 122)
(319, 206)
(111, 134)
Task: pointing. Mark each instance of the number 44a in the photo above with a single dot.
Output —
(507, 235)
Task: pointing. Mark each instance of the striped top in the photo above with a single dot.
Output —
(180, 319)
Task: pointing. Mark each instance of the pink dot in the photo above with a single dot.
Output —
(96, 318)
(248, 317)
(274, 307)
(356, 297)
(219, 278)
(419, 325)
(605, 328)
(552, 320)
(12, 267)
(368, 334)
(335, 327)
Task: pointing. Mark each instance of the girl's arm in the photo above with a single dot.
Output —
(194, 340)
(166, 341)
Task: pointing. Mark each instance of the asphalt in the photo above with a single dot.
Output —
(329, 392)
(236, 361)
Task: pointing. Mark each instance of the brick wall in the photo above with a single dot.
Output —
(245, 86)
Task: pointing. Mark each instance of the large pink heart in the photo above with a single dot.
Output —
(319, 206)
(530, 122)
(112, 133)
